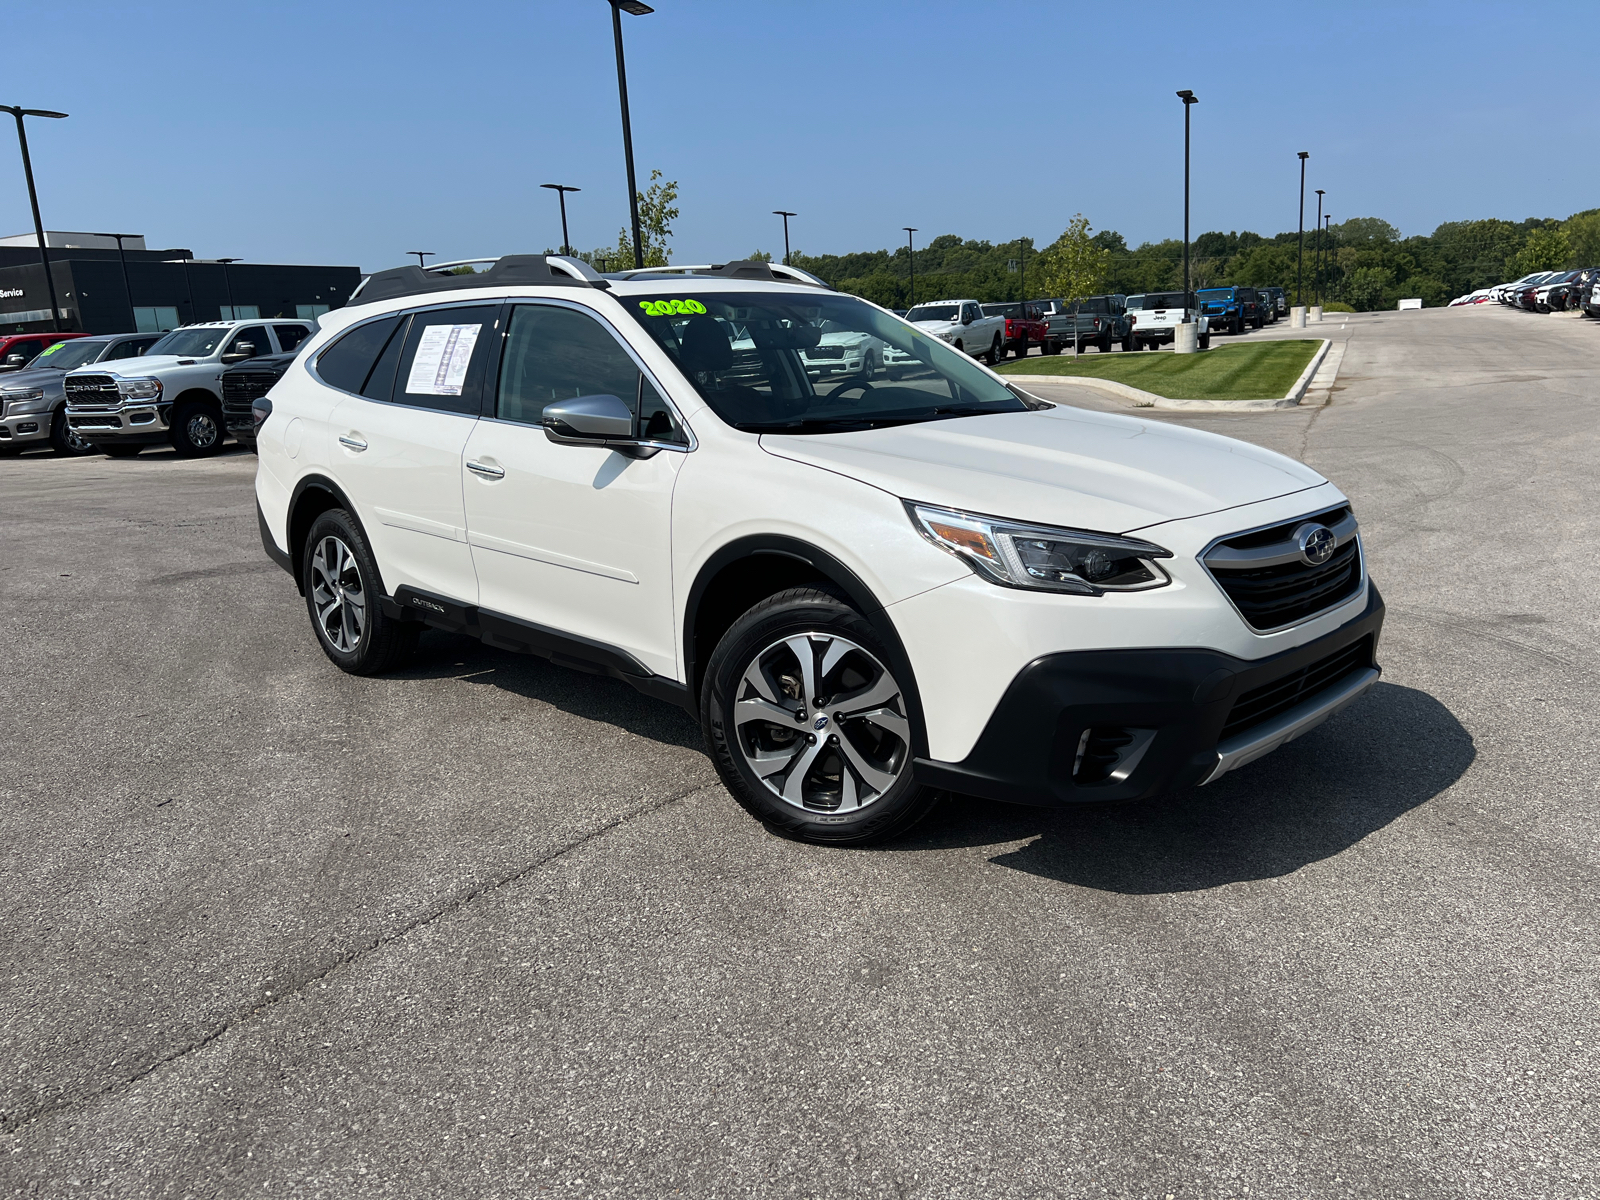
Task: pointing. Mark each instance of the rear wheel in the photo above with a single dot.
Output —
(65, 440)
(118, 449)
(1105, 342)
(196, 429)
(808, 725)
(1205, 341)
(343, 597)
(996, 351)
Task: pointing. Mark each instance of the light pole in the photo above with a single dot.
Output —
(1300, 261)
(33, 199)
(1022, 273)
(778, 212)
(1327, 266)
(912, 250)
(633, 8)
(1316, 255)
(124, 259)
(228, 286)
(561, 190)
(422, 256)
(1188, 99)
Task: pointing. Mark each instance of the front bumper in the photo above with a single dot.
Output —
(22, 428)
(134, 424)
(1182, 716)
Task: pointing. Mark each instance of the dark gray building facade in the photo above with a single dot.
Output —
(99, 292)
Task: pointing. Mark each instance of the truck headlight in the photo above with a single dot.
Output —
(1040, 556)
(24, 400)
(140, 389)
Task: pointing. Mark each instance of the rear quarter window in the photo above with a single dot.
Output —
(347, 363)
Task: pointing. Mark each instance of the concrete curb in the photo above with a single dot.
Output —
(1320, 391)
(1143, 399)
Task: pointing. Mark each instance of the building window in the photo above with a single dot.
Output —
(309, 312)
(240, 312)
(155, 320)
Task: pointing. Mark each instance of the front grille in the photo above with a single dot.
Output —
(1261, 704)
(241, 389)
(96, 421)
(825, 352)
(1283, 593)
(92, 391)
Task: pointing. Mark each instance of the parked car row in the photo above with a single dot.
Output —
(119, 393)
(1543, 291)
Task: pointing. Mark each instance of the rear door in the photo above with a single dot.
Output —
(398, 444)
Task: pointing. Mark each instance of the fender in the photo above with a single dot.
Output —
(305, 484)
(837, 573)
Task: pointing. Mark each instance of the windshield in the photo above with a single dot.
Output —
(190, 343)
(1159, 300)
(754, 358)
(1215, 293)
(63, 356)
(934, 312)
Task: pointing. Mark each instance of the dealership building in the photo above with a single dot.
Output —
(103, 289)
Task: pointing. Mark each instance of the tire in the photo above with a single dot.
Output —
(1050, 348)
(1130, 343)
(996, 352)
(854, 784)
(1205, 341)
(960, 347)
(1237, 326)
(1020, 349)
(197, 429)
(65, 440)
(343, 591)
(1105, 342)
(1258, 323)
(118, 449)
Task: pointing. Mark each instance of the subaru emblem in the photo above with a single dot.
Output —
(1317, 543)
(822, 722)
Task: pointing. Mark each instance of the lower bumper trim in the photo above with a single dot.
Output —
(1303, 718)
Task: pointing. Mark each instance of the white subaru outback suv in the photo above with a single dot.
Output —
(870, 590)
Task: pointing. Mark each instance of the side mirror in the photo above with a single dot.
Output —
(588, 419)
(15, 360)
(967, 320)
(239, 352)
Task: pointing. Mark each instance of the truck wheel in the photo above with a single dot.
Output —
(342, 596)
(1130, 343)
(1051, 347)
(996, 351)
(1205, 341)
(1105, 342)
(65, 440)
(196, 429)
(118, 449)
(808, 725)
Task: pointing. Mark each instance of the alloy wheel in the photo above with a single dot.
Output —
(337, 592)
(202, 430)
(822, 723)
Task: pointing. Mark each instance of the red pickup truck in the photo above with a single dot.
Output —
(1024, 327)
(17, 350)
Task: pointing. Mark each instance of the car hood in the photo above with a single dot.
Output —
(1057, 466)
(937, 327)
(30, 377)
(129, 368)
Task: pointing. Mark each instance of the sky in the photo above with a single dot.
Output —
(350, 133)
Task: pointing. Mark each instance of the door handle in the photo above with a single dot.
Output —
(486, 470)
(352, 443)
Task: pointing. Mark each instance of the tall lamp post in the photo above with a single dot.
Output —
(422, 256)
(561, 190)
(778, 212)
(1316, 255)
(912, 250)
(33, 199)
(1300, 261)
(1188, 98)
(1327, 264)
(124, 259)
(636, 9)
(227, 285)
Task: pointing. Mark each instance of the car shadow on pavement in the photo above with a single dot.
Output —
(592, 697)
(1393, 751)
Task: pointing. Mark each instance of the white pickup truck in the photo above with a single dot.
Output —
(173, 393)
(1156, 316)
(962, 324)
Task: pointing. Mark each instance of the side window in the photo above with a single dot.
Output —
(558, 354)
(256, 336)
(380, 383)
(441, 363)
(347, 363)
(27, 348)
(290, 336)
(130, 348)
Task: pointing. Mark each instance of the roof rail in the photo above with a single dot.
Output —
(738, 269)
(509, 270)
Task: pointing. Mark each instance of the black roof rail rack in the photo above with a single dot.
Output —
(511, 270)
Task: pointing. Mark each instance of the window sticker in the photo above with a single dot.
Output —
(52, 350)
(671, 308)
(440, 367)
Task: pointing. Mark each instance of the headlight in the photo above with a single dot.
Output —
(1038, 556)
(140, 389)
(24, 400)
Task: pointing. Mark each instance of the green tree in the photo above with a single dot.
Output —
(758, 256)
(1583, 232)
(1545, 250)
(1366, 288)
(1073, 266)
(656, 214)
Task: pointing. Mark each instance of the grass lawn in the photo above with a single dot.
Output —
(1260, 371)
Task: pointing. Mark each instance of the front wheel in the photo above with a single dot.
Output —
(343, 597)
(809, 727)
(1205, 341)
(196, 429)
(65, 440)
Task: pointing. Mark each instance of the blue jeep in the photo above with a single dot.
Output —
(1231, 309)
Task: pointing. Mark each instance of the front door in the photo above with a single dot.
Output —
(400, 444)
(574, 538)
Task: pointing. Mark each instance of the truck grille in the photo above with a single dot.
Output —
(89, 392)
(1261, 704)
(825, 352)
(1272, 585)
(241, 388)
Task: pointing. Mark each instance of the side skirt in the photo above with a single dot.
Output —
(524, 637)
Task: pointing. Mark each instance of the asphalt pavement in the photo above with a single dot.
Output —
(490, 928)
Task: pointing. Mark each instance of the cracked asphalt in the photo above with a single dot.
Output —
(490, 928)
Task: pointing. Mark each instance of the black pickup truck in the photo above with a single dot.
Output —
(1093, 321)
(245, 383)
